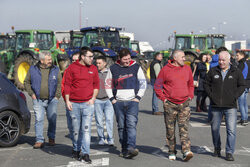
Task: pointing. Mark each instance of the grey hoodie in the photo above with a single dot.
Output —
(102, 95)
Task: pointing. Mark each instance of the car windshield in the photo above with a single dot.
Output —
(2, 43)
(125, 42)
(183, 43)
(44, 41)
(108, 39)
(199, 43)
(22, 40)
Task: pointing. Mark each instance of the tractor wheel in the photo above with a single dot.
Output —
(22, 65)
(148, 73)
(2, 67)
(190, 58)
(63, 64)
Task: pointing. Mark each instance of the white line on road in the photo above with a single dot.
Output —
(95, 162)
(103, 151)
(198, 124)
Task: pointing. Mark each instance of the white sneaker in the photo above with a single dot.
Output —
(172, 157)
(187, 156)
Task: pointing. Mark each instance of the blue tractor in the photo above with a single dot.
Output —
(104, 41)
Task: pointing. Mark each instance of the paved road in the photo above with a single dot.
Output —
(150, 142)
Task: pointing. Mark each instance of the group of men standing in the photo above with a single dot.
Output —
(88, 88)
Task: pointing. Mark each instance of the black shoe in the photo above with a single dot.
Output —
(85, 158)
(240, 121)
(217, 153)
(131, 153)
(244, 123)
(229, 157)
(75, 154)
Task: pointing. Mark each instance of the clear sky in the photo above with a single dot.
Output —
(150, 20)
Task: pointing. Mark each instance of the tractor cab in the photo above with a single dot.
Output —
(215, 41)
(107, 37)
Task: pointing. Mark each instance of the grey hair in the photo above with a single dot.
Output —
(226, 53)
(176, 52)
(42, 54)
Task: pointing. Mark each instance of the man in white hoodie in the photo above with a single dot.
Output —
(125, 86)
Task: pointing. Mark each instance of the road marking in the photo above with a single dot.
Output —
(102, 151)
(163, 151)
(95, 162)
(199, 124)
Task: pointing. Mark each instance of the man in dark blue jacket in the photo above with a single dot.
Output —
(125, 86)
(43, 84)
(242, 100)
(224, 84)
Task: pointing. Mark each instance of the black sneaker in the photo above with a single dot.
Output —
(240, 121)
(75, 154)
(216, 153)
(244, 123)
(229, 157)
(131, 153)
(85, 158)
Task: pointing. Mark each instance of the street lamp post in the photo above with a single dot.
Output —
(80, 14)
(219, 24)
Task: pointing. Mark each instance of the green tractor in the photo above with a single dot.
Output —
(27, 47)
(7, 46)
(191, 44)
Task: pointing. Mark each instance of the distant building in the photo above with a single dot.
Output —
(236, 44)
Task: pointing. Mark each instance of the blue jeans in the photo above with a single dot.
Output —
(127, 117)
(104, 107)
(243, 106)
(155, 100)
(81, 117)
(40, 107)
(231, 119)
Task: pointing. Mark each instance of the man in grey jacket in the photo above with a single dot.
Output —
(103, 106)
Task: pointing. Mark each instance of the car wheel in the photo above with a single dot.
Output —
(10, 128)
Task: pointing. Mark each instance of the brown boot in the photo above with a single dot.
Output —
(52, 142)
(38, 145)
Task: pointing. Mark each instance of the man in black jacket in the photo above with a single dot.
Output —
(155, 68)
(224, 84)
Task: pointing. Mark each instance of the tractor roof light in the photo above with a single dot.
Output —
(36, 49)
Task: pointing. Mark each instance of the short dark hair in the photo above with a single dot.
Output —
(156, 54)
(84, 50)
(124, 52)
(241, 53)
(220, 49)
(101, 58)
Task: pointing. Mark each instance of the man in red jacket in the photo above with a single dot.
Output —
(81, 88)
(174, 86)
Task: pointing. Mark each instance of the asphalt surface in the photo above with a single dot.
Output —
(150, 142)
